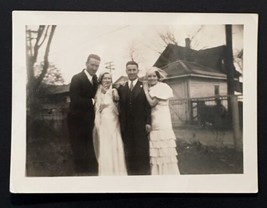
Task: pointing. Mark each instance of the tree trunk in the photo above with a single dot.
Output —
(34, 83)
(46, 61)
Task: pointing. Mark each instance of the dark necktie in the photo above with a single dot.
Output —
(95, 83)
(94, 80)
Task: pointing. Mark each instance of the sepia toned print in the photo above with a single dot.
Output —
(132, 102)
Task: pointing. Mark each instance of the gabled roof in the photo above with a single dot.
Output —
(211, 57)
(173, 53)
(208, 59)
(183, 68)
(121, 79)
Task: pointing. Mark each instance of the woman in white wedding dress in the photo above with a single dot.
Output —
(107, 137)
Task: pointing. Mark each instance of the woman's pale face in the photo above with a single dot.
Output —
(106, 80)
(152, 78)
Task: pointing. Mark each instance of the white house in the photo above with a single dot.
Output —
(193, 75)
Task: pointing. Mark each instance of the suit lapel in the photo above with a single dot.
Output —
(88, 84)
(137, 89)
(83, 77)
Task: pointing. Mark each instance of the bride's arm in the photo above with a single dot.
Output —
(152, 101)
(115, 95)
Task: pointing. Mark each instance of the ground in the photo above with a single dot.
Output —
(49, 153)
(195, 158)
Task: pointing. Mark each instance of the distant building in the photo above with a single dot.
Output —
(120, 81)
(123, 79)
(54, 101)
(193, 74)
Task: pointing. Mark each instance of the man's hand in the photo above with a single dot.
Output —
(115, 95)
(148, 128)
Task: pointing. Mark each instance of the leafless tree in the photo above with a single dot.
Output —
(238, 58)
(132, 52)
(35, 39)
(135, 52)
(193, 40)
(52, 77)
(168, 37)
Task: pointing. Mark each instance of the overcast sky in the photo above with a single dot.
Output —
(72, 44)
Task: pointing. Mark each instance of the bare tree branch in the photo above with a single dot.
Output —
(163, 38)
(194, 42)
(36, 48)
(33, 85)
(46, 62)
(196, 32)
(168, 38)
(131, 52)
(159, 52)
(44, 38)
(172, 38)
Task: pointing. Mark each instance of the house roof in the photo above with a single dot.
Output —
(121, 79)
(173, 53)
(183, 68)
(55, 89)
(210, 59)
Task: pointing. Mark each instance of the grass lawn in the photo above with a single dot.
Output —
(49, 153)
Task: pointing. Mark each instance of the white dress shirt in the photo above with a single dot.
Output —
(90, 78)
(134, 83)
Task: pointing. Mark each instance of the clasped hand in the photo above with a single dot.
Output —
(115, 95)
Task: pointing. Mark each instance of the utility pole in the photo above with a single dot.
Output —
(110, 66)
(232, 99)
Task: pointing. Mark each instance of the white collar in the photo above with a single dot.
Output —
(134, 82)
(88, 75)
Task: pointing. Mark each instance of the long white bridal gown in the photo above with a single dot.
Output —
(107, 136)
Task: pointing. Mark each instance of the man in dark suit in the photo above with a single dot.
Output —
(81, 117)
(135, 120)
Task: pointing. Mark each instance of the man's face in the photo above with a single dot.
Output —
(132, 72)
(92, 66)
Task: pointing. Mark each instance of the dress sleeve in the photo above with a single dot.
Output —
(161, 91)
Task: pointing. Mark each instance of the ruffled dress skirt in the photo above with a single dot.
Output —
(163, 153)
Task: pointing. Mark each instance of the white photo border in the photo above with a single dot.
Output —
(221, 183)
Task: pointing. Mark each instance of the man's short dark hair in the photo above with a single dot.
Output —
(131, 63)
(94, 56)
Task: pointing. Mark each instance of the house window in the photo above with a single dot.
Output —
(216, 89)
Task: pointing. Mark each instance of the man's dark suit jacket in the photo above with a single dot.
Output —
(135, 113)
(81, 122)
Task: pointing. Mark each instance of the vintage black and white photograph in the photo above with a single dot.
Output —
(134, 102)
